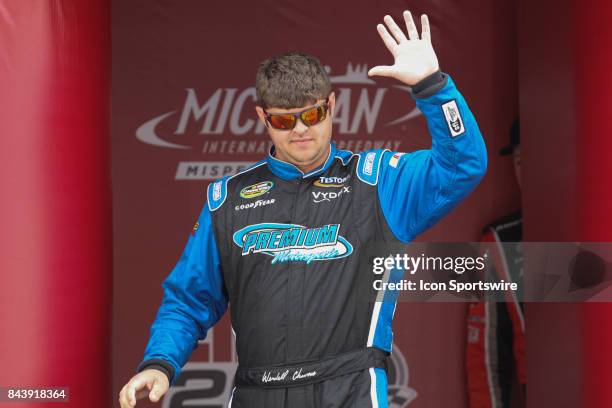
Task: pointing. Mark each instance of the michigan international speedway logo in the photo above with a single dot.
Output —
(222, 123)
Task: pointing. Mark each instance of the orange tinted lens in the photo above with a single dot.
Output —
(322, 113)
(282, 121)
(311, 116)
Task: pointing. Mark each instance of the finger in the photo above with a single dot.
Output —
(395, 30)
(144, 392)
(131, 391)
(413, 33)
(425, 29)
(382, 70)
(387, 39)
(122, 399)
(156, 392)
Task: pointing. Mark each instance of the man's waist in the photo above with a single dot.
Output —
(296, 374)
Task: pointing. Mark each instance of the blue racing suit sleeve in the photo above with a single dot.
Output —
(194, 299)
(417, 189)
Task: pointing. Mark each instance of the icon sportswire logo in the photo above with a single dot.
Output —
(293, 243)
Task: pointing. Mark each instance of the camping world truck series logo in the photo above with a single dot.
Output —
(256, 190)
(293, 243)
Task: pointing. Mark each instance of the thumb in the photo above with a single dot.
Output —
(382, 70)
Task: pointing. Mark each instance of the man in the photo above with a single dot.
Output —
(495, 354)
(281, 240)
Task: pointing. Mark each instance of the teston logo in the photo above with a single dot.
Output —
(292, 242)
(330, 181)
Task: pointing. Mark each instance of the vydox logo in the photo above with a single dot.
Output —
(293, 243)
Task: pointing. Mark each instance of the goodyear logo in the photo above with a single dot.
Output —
(254, 204)
(256, 190)
(293, 243)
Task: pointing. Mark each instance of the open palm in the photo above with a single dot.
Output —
(415, 58)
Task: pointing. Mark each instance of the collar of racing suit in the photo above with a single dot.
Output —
(288, 171)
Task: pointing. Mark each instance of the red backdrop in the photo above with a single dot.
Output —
(182, 73)
(565, 110)
(55, 245)
(183, 111)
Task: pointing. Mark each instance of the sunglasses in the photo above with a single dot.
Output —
(309, 117)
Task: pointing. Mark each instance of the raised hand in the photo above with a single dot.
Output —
(415, 58)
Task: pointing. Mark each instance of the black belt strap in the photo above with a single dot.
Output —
(282, 376)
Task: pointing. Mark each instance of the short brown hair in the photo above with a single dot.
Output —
(291, 80)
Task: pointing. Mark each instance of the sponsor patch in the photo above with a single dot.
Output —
(453, 118)
(195, 228)
(256, 190)
(330, 181)
(320, 196)
(292, 242)
(369, 163)
(395, 159)
(217, 190)
(254, 204)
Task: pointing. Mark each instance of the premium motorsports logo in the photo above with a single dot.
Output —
(292, 242)
(222, 123)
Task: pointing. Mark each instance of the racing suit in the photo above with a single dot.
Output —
(495, 354)
(282, 247)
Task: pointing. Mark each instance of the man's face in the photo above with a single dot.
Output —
(302, 146)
